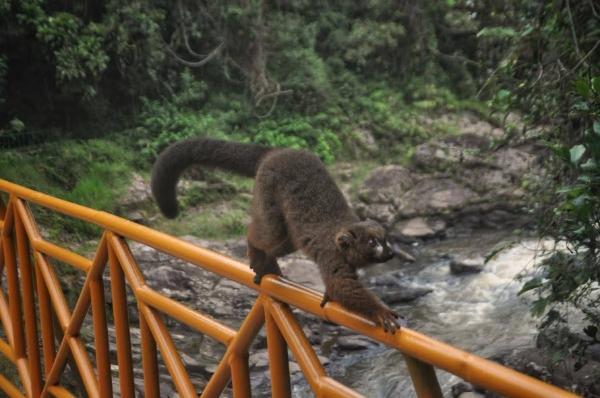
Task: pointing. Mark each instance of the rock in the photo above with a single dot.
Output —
(387, 279)
(593, 351)
(460, 388)
(459, 266)
(402, 294)
(513, 161)
(365, 139)
(433, 196)
(418, 228)
(136, 216)
(386, 184)
(354, 343)
(536, 370)
(138, 192)
(468, 122)
(466, 149)
(259, 359)
(385, 213)
(471, 394)
(166, 277)
(302, 271)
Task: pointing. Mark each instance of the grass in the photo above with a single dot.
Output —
(227, 219)
(93, 173)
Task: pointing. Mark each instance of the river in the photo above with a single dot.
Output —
(479, 313)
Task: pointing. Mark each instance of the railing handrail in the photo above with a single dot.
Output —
(481, 372)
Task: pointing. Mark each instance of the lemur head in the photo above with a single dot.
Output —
(363, 243)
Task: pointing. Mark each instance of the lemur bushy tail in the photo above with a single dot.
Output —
(236, 157)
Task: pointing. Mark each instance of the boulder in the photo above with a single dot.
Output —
(466, 149)
(302, 271)
(386, 184)
(459, 266)
(418, 228)
(513, 161)
(402, 294)
(137, 192)
(385, 213)
(354, 343)
(433, 196)
(364, 138)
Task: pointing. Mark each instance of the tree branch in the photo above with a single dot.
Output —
(199, 63)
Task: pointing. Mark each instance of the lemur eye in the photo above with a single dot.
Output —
(372, 242)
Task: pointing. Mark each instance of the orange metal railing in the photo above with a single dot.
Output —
(40, 370)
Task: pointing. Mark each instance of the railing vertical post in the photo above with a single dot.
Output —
(33, 353)
(121, 320)
(46, 322)
(14, 299)
(101, 337)
(423, 377)
(240, 375)
(278, 359)
(149, 363)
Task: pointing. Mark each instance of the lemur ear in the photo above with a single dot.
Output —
(344, 239)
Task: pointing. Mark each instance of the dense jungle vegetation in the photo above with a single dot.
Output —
(91, 90)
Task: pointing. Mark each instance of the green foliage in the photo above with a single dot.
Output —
(562, 92)
(300, 133)
(78, 51)
(497, 32)
(162, 123)
(368, 40)
(92, 173)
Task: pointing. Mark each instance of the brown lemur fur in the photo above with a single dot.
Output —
(296, 206)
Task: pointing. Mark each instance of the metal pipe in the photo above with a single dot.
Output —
(31, 334)
(10, 388)
(240, 375)
(149, 362)
(101, 337)
(278, 359)
(46, 322)
(61, 254)
(121, 320)
(423, 378)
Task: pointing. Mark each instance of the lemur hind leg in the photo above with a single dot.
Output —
(261, 263)
(263, 249)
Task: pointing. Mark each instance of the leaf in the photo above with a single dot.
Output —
(497, 249)
(597, 127)
(582, 86)
(497, 32)
(576, 153)
(539, 306)
(596, 84)
(581, 106)
(533, 283)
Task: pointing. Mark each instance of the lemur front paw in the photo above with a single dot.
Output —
(389, 320)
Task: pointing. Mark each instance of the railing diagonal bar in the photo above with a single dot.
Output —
(239, 345)
(71, 323)
(46, 321)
